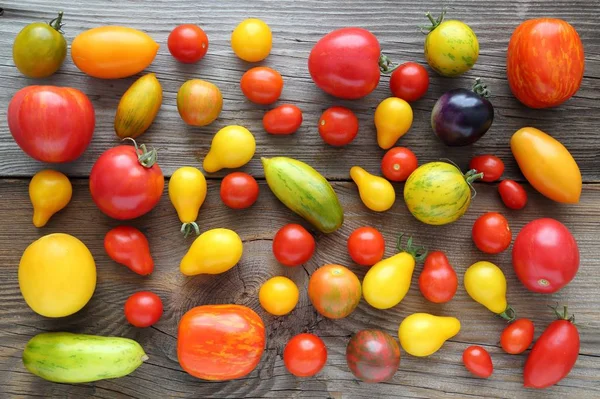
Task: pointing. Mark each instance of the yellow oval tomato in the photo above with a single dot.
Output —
(199, 102)
(393, 118)
(376, 193)
(187, 192)
(251, 40)
(49, 192)
(57, 275)
(547, 165)
(113, 52)
(485, 283)
(232, 147)
(278, 295)
(387, 282)
(213, 252)
(422, 334)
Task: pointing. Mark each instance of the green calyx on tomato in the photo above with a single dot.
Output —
(509, 314)
(56, 23)
(481, 88)
(417, 252)
(425, 29)
(564, 315)
(147, 158)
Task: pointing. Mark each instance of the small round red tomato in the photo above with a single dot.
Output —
(239, 190)
(409, 81)
(491, 166)
(188, 43)
(438, 281)
(305, 355)
(398, 163)
(293, 245)
(143, 309)
(366, 246)
(513, 194)
(517, 336)
(491, 233)
(262, 85)
(478, 361)
(285, 119)
(338, 126)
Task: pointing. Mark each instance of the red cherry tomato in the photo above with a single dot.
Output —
(305, 355)
(262, 85)
(409, 81)
(293, 245)
(143, 309)
(517, 336)
(491, 233)
(438, 281)
(129, 246)
(478, 361)
(398, 163)
(239, 190)
(366, 246)
(285, 119)
(491, 166)
(338, 126)
(513, 194)
(188, 43)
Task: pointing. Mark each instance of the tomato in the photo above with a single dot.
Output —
(239, 190)
(199, 102)
(278, 295)
(262, 85)
(334, 291)
(188, 43)
(545, 62)
(187, 192)
(40, 48)
(393, 118)
(491, 233)
(491, 166)
(338, 126)
(232, 147)
(305, 355)
(251, 40)
(409, 81)
(478, 361)
(129, 246)
(398, 163)
(517, 336)
(126, 182)
(423, 334)
(138, 107)
(49, 192)
(545, 256)
(438, 281)
(36, 119)
(143, 309)
(375, 192)
(486, 284)
(285, 119)
(293, 245)
(213, 252)
(513, 194)
(366, 246)
(373, 355)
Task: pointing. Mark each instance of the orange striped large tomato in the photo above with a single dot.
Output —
(545, 62)
(334, 291)
(220, 342)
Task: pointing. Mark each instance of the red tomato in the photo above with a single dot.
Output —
(338, 126)
(409, 81)
(143, 309)
(491, 233)
(366, 246)
(285, 119)
(438, 281)
(129, 246)
(188, 43)
(517, 336)
(262, 85)
(305, 355)
(239, 190)
(126, 182)
(478, 361)
(513, 194)
(373, 355)
(293, 245)
(545, 256)
(51, 124)
(398, 163)
(491, 166)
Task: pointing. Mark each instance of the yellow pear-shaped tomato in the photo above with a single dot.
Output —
(232, 147)
(138, 107)
(422, 334)
(187, 192)
(375, 192)
(213, 252)
(393, 118)
(49, 192)
(387, 282)
(486, 284)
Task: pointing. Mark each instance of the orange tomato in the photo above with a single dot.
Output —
(334, 291)
(113, 52)
(199, 102)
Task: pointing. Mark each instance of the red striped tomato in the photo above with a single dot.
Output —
(373, 355)
(334, 291)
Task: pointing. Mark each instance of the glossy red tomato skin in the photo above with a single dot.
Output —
(121, 187)
(262, 85)
(366, 246)
(305, 355)
(285, 119)
(438, 281)
(491, 166)
(345, 63)
(143, 309)
(478, 361)
(373, 355)
(409, 81)
(545, 256)
(398, 163)
(517, 336)
(491, 233)
(129, 246)
(293, 245)
(37, 122)
(188, 43)
(513, 194)
(338, 126)
(239, 190)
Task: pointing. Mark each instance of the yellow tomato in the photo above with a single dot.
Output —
(57, 275)
(278, 295)
(187, 192)
(251, 40)
(49, 192)
(393, 118)
(387, 282)
(232, 147)
(486, 284)
(422, 334)
(376, 193)
(213, 252)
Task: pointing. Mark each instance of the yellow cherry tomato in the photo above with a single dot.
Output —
(187, 192)
(485, 283)
(251, 40)
(422, 334)
(376, 193)
(278, 295)
(49, 192)
(232, 147)
(387, 282)
(57, 275)
(393, 118)
(213, 252)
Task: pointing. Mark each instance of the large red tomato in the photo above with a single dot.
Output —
(220, 342)
(373, 355)
(334, 291)
(545, 62)
(51, 124)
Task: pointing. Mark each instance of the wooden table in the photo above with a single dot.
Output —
(296, 26)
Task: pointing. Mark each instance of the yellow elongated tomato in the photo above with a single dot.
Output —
(547, 165)
(113, 52)
(57, 275)
(251, 40)
(187, 192)
(278, 295)
(485, 283)
(423, 334)
(387, 282)
(213, 252)
(376, 193)
(393, 118)
(138, 107)
(49, 192)
(232, 147)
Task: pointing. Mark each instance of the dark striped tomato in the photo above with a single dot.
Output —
(334, 291)
(373, 355)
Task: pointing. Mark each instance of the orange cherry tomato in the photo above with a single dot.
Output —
(517, 336)
(334, 291)
(285, 119)
(491, 233)
(262, 85)
(366, 246)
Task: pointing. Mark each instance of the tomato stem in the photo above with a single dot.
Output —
(187, 228)
(481, 88)
(146, 158)
(425, 29)
(509, 314)
(419, 253)
(564, 315)
(56, 23)
(386, 66)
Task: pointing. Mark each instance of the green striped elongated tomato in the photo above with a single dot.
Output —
(138, 107)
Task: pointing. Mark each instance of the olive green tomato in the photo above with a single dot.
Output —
(40, 48)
